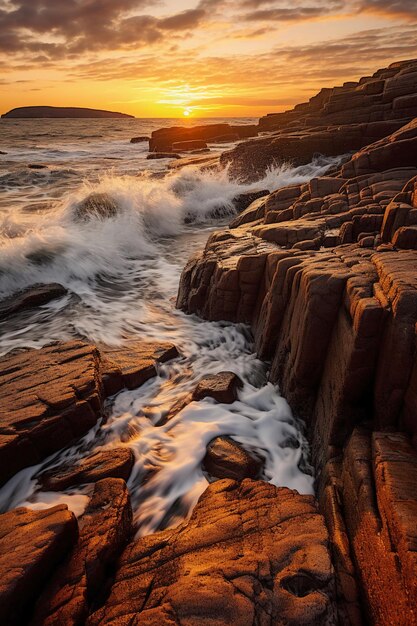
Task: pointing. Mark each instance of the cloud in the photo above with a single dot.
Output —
(401, 8)
(59, 28)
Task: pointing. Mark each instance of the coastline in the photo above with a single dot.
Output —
(324, 274)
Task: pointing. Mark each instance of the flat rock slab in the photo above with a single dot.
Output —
(32, 543)
(54, 395)
(250, 554)
(105, 528)
(48, 397)
(137, 361)
(112, 463)
(30, 298)
(227, 459)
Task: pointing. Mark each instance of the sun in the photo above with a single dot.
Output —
(186, 112)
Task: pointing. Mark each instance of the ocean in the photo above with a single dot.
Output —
(122, 275)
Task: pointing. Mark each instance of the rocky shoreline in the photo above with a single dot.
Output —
(325, 274)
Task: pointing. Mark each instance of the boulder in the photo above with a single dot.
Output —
(96, 205)
(111, 463)
(139, 139)
(227, 459)
(222, 387)
(30, 298)
(105, 529)
(32, 544)
(249, 160)
(164, 138)
(250, 553)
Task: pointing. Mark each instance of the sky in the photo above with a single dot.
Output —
(199, 58)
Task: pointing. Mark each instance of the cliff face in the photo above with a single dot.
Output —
(325, 274)
(62, 112)
(335, 121)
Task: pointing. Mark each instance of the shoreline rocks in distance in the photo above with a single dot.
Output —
(139, 139)
(162, 155)
(42, 112)
(163, 139)
(336, 120)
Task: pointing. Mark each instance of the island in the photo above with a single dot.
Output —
(61, 112)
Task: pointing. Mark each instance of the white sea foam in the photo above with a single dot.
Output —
(122, 272)
(55, 246)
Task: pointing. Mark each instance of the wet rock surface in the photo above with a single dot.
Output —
(162, 140)
(96, 204)
(54, 395)
(137, 362)
(325, 274)
(336, 121)
(110, 463)
(139, 139)
(374, 484)
(32, 297)
(249, 552)
(225, 458)
(48, 398)
(222, 387)
(189, 146)
(32, 544)
(105, 529)
(163, 155)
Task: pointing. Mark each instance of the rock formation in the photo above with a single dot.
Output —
(32, 297)
(251, 553)
(165, 139)
(325, 274)
(32, 544)
(52, 396)
(334, 122)
(106, 528)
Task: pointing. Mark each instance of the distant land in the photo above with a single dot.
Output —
(61, 112)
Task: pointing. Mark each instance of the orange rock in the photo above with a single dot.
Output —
(249, 552)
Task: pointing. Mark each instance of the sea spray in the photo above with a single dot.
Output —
(122, 272)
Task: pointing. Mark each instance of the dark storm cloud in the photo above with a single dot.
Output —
(75, 26)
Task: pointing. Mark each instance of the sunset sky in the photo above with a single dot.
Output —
(209, 58)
